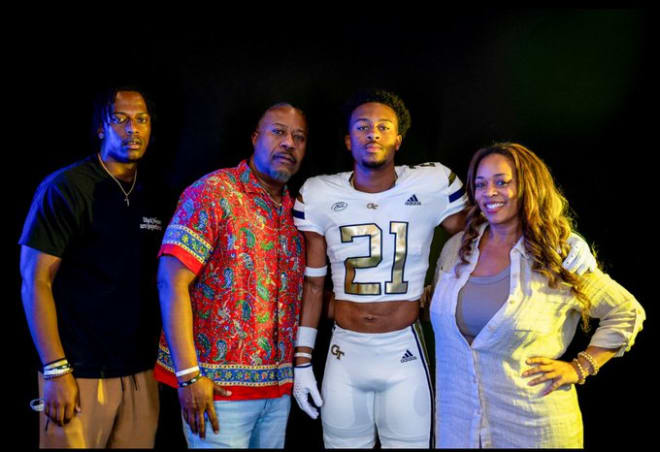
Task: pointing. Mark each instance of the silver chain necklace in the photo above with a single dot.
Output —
(121, 187)
(277, 204)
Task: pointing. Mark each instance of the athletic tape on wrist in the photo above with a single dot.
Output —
(306, 337)
(318, 271)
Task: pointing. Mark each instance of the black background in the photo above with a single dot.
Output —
(572, 85)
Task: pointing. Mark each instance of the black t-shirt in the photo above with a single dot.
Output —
(105, 289)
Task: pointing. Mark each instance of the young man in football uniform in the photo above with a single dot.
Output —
(375, 224)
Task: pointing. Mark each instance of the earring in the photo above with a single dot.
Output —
(101, 136)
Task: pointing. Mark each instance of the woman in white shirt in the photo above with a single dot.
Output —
(504, 310)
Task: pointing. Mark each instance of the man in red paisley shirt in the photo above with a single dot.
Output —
(230, 281)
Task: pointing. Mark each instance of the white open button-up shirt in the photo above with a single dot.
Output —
(481, 397)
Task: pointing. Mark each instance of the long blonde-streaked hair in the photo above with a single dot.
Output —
(544, 213)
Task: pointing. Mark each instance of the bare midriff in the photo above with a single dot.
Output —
(380, 317)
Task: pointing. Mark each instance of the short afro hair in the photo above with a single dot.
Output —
(384, 97)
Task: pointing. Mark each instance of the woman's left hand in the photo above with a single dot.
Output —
(559, 373)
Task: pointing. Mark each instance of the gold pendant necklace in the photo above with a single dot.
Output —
(121, 187)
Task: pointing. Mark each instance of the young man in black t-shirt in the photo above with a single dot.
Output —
(88, 263)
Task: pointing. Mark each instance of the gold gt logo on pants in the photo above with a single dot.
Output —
(336, 351)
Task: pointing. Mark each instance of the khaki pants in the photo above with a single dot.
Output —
(115, 413)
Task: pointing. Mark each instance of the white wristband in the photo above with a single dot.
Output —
(312, 271)
(187, 371)
(54, 372)
(302, 355)
(306, 337)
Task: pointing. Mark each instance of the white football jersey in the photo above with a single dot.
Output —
(378, 244)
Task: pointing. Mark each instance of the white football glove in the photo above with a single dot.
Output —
(579, 259)
(304, 385)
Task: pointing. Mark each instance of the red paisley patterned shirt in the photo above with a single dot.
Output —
(249, 260)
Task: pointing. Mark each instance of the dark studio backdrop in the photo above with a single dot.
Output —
(572, 85)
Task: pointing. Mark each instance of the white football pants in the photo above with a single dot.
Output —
(377, 384)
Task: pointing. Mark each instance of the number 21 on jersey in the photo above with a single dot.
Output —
(396, 284)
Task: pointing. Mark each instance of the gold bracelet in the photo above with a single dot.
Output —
(594, 365)
(580, 369)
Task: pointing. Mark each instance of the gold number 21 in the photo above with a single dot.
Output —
(396, 284)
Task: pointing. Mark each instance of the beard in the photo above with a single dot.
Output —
(281, 175)
(122, 155)
(372, 164)
(375, 161)
(131, 158)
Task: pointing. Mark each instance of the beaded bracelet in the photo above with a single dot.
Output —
(183, 384)
(594, 365)
(580, 369)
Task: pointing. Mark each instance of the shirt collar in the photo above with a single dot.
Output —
(519, 247)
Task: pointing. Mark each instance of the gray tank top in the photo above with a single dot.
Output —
(479, 300)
